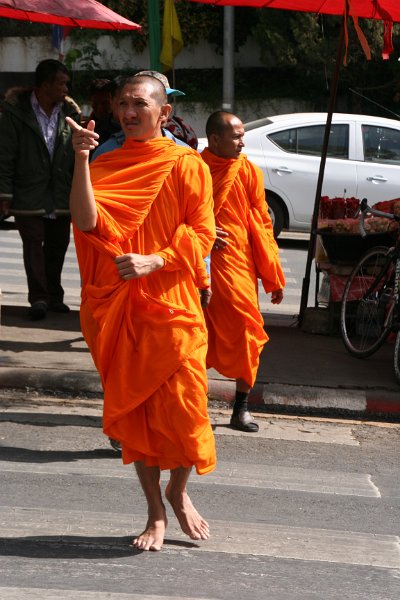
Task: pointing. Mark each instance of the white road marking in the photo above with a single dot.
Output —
(258, 539)
(228, 474)
(15, 593)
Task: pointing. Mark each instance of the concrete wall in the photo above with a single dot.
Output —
(19, 57)
(22, 54)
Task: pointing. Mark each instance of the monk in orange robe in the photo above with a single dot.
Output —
(143, 223)
(245, 250)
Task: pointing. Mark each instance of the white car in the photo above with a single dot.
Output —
(363, 161)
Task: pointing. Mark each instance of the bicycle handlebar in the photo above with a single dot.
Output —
(368, 210)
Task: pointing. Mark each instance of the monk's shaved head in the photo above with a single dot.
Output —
(218, 122)
(158, 92)
(143, 107)
(225, 134)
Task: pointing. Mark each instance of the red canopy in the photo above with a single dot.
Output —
(385, 10)
(70, 13)
(370, 9)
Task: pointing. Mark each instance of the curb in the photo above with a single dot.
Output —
(273, 396)
(75, 382)
(311, 398)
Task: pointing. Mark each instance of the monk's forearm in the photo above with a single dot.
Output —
(81, 201)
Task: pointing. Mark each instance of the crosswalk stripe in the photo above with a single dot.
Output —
(226, 474)
(18, 273)
(15, 593)
(11, 250)
(257, 539)
(20, 288)
(285, 309)
(70, 261)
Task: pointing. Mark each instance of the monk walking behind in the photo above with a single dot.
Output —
(143, 223)
(244, 250)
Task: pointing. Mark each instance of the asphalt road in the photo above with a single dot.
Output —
(308, 509)
(293, 253)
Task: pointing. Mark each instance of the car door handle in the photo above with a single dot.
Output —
(377, 178)
(282, 170)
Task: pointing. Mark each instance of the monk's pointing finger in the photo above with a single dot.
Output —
(91, 125)
(73, 124)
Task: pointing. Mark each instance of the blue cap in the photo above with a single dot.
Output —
(170, 91)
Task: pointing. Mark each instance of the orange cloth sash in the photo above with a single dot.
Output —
(235, 324)
(145, 334)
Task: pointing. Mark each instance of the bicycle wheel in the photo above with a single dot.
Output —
(367, 304)
(397, 357)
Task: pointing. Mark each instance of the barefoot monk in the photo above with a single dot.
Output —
(143, 223)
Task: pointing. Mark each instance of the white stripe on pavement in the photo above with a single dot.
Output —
(226, 474)
(67, 275)
(258, 539)
(15, 593)
(284, 309)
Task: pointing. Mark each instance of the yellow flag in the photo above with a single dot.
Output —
(172, 42)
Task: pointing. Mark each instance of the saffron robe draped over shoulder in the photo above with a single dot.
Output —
(147, 336)
(236, 332)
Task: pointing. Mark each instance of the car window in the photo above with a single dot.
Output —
(308, 140)
(381, 144)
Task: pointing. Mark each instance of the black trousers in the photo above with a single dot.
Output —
(45, 243)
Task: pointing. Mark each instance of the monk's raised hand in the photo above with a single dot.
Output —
(220, 241)
(83, 139)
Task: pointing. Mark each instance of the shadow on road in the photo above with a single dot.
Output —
(77, 546)
(27, 455)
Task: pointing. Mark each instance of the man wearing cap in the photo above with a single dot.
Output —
(143, 221)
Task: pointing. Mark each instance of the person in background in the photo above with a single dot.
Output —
(36, 167)
(245, 250)
(101, 101)
(143, 222)
(175, 125)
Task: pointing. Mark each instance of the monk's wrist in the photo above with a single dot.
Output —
(159, 262)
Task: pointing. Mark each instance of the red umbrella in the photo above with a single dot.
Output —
(368, 9)
(71, 13)
(385, 10)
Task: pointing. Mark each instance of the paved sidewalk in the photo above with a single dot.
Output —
(298, 370)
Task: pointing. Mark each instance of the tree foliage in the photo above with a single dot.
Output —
(198, 22)
(297, 49)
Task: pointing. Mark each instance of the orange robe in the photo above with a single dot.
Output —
(235, 324)
(147, 336)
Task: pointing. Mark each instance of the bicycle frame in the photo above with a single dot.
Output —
(367, 319)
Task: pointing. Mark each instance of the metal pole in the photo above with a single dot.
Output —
(324, 151)
(153, 15)
(229, 49)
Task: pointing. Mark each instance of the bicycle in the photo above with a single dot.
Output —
(370, 308)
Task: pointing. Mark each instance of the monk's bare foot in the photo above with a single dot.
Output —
(152, 538)
(191, 522)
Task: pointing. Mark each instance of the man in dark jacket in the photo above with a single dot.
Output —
(36, 166)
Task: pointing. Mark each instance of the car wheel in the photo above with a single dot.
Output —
(276, 213)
